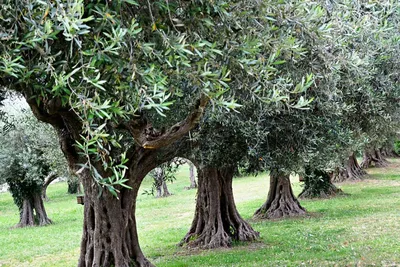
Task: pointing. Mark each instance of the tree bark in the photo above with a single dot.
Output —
(33, 212)
(109, 232)
(373, 157)
(318, 184)
(350, 172)
(217, 222)
(192, 177)
(281, 201)
(48, 180)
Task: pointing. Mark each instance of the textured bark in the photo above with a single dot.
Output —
(281, 201)
(216, 222)
(192, 177)
(110, 236)
(48, 180)
(318, 184)
(373, 157)
(33, 212)
(352, 171)
(109, 233)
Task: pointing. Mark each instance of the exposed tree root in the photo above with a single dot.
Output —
(281, 202)
(217, 222)
(33, 212)
(373, 157)
(351, 172)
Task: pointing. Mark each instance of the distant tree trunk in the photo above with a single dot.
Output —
(351, 172)
(48, 180)
(373, 156)
(192, 177)
(161, 185)
(32, 212)
(165, 189)
(318, 184)
(217, 222)
(281, 201)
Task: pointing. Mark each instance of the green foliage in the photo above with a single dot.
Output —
(28, 152)
(165, 172)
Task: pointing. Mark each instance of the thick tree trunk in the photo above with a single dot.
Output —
(281, 201)
(109, 232)
(33, 212)
(373, 157)
(217, 222)
(26, 216)
(48, 180)
(192, 177)
(318, 184)
(351, 172)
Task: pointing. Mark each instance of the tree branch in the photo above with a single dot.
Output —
(139, 128)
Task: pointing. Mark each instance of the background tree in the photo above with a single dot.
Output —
(25, 168)
(192, 177)
(368, 40)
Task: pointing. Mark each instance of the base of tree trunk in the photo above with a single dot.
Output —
(351, 172)
(373, 158)
(33, 212)
(217, 222)
(109, 231)
(318, 184)
(281, 201)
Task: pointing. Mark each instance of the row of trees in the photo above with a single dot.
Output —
(289, 87)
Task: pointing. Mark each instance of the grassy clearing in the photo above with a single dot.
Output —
(360, 229)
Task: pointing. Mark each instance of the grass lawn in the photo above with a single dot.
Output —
(359, 229)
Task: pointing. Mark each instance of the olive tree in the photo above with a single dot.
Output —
(103, 74)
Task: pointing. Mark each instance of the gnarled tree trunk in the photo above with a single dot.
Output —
(350, 172)
(217, 222)
(318, 184)
(281, 201)
(109, 233)
(32, 212)
(373, 157)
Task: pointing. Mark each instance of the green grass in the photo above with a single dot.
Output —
(359, 229)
